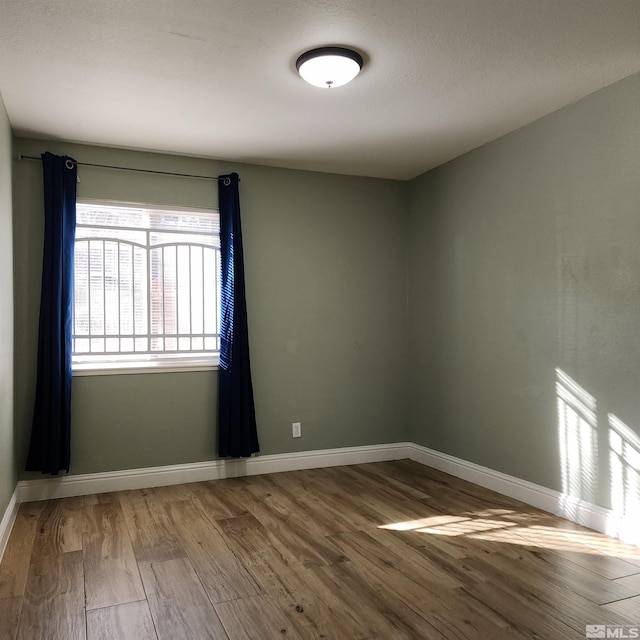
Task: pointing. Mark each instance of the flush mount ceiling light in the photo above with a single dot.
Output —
(329, 66)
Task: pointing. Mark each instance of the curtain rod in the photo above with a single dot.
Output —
(226, 181)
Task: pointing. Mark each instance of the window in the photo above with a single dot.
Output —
(146, 287)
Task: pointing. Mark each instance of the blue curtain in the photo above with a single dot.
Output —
(237, 434)
(49, 450)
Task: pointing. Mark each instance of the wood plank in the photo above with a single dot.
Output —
(224, 498)
(459, 492)
(111, 572)
(566, 574)
(9, 617)
(383, 499)
(448, 612)
(60, 527)
(431, 481)
(333, 496)
(176, 492)
(438, 563)
(53, 604)
(527, 530)
(338, 482)
(365, 548)
(223, 575)
(274, 492)
(540, 584)
(521, 610)
(321, 502)
(152, 536)
(130, 621)
(313, 608)
(17, 556)
(292, 532)
(589, 549)
(606, 566)
(527, 546)
(614, 548)
(629, 609)
(442, 553)
(381, 475)
(296, 487)
(380, 613)
(631, 582)
(255, 618)
(179, 606)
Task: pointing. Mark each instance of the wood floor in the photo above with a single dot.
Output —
(386, 550)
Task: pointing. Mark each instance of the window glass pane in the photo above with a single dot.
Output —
(197, 291)
(96, 287)
(82, 345)
(125, 288)
(202, 223)
(183, 289)
(111, 294)
(211, 297)
(140, 291)
(81, 291)
(109, 216)
(169, 264)
(157, 238)
(147, 281)
(123, 235)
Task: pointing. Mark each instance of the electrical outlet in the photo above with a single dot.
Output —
(296, 430)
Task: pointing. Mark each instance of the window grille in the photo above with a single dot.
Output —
(146, 287)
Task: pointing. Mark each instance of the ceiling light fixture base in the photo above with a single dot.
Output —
(329, 67)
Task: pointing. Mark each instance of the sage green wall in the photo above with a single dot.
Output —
(8, 475)
(523, 258)
(326, 295)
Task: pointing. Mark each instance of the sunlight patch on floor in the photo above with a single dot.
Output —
(520, 529)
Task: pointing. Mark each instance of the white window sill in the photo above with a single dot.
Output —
(122, 368)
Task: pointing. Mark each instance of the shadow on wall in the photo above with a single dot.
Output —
(578, 444)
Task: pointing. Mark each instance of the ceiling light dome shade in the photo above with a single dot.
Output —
(329, 67)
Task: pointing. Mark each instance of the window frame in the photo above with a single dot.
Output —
(171, 362)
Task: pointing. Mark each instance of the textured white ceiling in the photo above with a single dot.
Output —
(216, 78)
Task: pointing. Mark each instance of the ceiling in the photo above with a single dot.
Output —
(216, 78)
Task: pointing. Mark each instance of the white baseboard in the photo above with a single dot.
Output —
(624, 527)
(86, 484)
(8, 519)
(598, 518)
